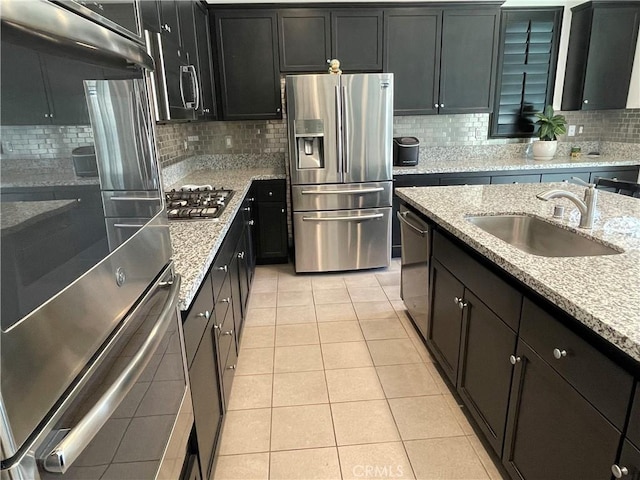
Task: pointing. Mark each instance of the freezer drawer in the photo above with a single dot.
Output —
(343, 196)
(342, 240)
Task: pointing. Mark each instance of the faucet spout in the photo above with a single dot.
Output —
(586, 207)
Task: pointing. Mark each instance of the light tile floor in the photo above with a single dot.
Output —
(334, 383)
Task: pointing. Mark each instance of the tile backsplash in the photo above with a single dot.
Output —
(437, 135)
(42, 142)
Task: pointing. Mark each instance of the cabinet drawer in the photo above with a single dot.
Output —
(197, 319)
(227, 375)
(222, 263)
(504, 300)
(629, 175)
(226, 337)
(271, 191)
(515, 179)
(223, 301)
(564, 177)
(607, 386)
(633, 432)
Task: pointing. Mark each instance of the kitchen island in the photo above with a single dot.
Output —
(543, 351)
(602, 292)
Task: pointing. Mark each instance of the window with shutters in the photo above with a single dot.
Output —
(527, 61)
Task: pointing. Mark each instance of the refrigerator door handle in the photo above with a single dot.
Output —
(339, 128)
(348, 218)
(345, 130)
(353, 191)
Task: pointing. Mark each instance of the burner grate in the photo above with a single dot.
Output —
(197, 203)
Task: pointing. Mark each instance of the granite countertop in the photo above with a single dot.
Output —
(602, 292)
(18, 215)
(196, 242)
(483, 164)
(49, 178)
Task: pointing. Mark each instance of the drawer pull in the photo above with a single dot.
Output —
(558, 354)
(457, 301)
(513, 359)
(231, 367)
(217, 327)
(619, 472)
(225, 300)
(223, 268)
(251, 222)
(241, 255)
(206, 314)
(230, 332)
(247, 209)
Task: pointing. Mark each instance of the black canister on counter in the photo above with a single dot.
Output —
(405, 151)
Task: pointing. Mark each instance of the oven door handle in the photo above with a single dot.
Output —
(67, 451)
(403, 218)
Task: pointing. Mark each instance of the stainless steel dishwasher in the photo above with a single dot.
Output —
(416, 250)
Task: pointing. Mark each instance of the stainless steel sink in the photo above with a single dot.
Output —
(538, 237)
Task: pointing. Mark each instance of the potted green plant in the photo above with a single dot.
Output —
(550, 126)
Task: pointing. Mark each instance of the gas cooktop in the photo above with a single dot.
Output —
(197, 202)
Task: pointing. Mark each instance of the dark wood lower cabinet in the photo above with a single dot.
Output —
(484, 378)
(629, 463)
(552, 431)
(443, 334)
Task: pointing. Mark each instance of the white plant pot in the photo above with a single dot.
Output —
(544, 150)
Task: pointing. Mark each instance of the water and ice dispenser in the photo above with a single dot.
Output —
(309, 136)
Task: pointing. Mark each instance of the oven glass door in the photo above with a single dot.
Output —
(57, 222)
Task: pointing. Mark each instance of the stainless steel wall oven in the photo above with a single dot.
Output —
(93, 381)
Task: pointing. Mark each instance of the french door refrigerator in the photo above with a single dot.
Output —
(340, 144)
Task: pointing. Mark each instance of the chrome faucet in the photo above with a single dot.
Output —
(587, 207)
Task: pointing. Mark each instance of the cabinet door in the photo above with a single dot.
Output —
(150, 15)
(614, 31)
(248, 56)
(305, 40)
(356, 39)
(197, 320)
(467, 66)
(187, 31)
(21, 72)
(629, 463)
(205, 393)
(412, 54)
(445, 325)
(271, 234)
(169, 21)
(484, 379)
(552, 431)
(207, 108)
(66, 90)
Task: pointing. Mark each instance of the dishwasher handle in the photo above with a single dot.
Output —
(403, 218)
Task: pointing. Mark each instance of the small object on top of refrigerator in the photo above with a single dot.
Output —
(340, 143)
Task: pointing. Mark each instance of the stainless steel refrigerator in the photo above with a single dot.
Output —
(340, 144)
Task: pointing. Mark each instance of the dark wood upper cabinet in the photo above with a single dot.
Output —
(304, 40)
(412, 53)
(248, 63)
(207, 106)
(169, 21)
(527, 58)
(600, 56)
(356, 39)
(468, 62)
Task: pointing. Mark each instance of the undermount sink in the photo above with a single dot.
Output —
(538, 237)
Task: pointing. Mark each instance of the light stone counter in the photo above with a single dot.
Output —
(196, 242)
(15, 216)
(602, 292)
(479, 164)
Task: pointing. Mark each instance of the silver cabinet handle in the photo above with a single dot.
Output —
(127, 225)
(402, 217)
(217, 327)
(182, 70)
(231, 367)
(435, 105)
(619, 472)
(270, 194)
(586, 101)
(251, 222)
(206, 314)
(223, 268)
(442, 105)
(352, 191)
(247, 209)
(513, 359)
(558, 354)
(226, 300)
(62, 456)
(457, 300)
(241, 255)
(196, 86)
(343, 219)
(463, 305)
(230, 332)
